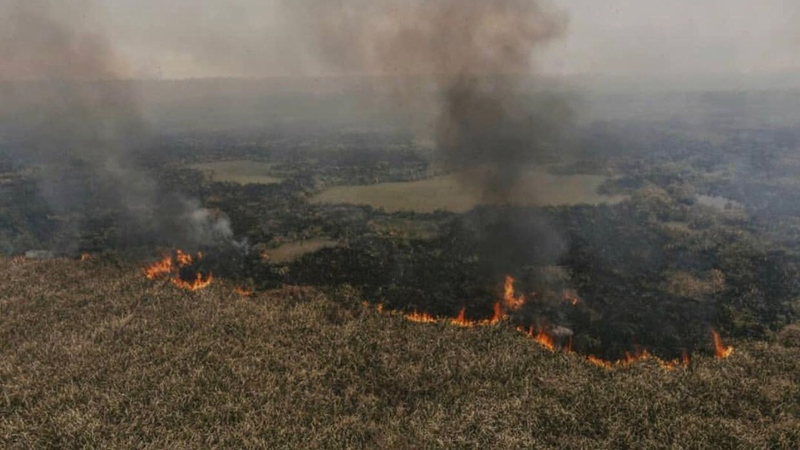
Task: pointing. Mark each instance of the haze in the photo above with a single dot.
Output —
(640, 38)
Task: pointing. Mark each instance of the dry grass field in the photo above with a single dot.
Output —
(239, 171)
(447, 193)
(93, 355)
(291, 251)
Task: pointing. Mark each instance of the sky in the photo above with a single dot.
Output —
(219, 38)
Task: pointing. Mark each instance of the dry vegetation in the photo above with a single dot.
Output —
(239, 171)
(94, 356)
(447, 193)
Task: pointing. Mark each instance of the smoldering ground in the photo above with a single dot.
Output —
(68, 111)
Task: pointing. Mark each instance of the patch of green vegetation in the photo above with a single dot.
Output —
(537, 187)
(239, 171)
(291, 251)
(93, 356)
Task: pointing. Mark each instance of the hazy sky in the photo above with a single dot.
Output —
(198, 38)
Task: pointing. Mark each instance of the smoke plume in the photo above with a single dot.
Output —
(478, 57)
(67, 110)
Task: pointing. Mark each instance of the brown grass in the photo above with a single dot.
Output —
(447, 193)
(292, 251)
(239, 171)
(93, 356)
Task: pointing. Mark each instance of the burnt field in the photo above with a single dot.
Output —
(660, 238)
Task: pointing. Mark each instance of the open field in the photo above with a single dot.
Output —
(239, 171)
(291, 251)
(447, 193)
(93, 355)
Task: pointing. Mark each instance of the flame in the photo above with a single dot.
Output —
(171, 267)
(675, 363)
(163, 267)
(85, 257)
(571, 297)
(497, 315)
(629, 358)
(510, 302)
(721, 351)
(185, 259)
(640, 355)
(542, 338)
(198, 283)
(599, 362)
(244, 292)
(421, 317)
(461, 319)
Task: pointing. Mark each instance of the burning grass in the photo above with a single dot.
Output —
(97, 357)
(174, 266)
(512, 302)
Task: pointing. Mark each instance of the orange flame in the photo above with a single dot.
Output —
(571, 297)
(421, 317)
(510, 302)
(599, 362)
(497, 315)
(170, 266)
(163, 267)
(243, 292)
(198, 283)
(542, 338)
(85, 257)
(721, 351)
(629, 358)
(185, 259)
(675, 363)
(640, 355)
(461, 319)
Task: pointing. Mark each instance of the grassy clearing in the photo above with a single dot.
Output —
(239, 171)
(291, 251)
(446, 192)
(95, 356)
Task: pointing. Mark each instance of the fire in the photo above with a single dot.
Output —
(185, 259)
(198, 283)
(497, 315)
(510, 302)
(243, 292)
(599, 362)
(571, 297)
(163, 267)
(461, 319)
(171, 267)
(629, 358)
(675, 363)
(542, 338)
(721, 351)
(85, 257)
(421, 317)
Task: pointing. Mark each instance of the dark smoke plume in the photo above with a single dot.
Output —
(67, 110)
(479, 57)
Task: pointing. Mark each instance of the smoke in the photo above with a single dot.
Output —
(474, 59)
(69, 112)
